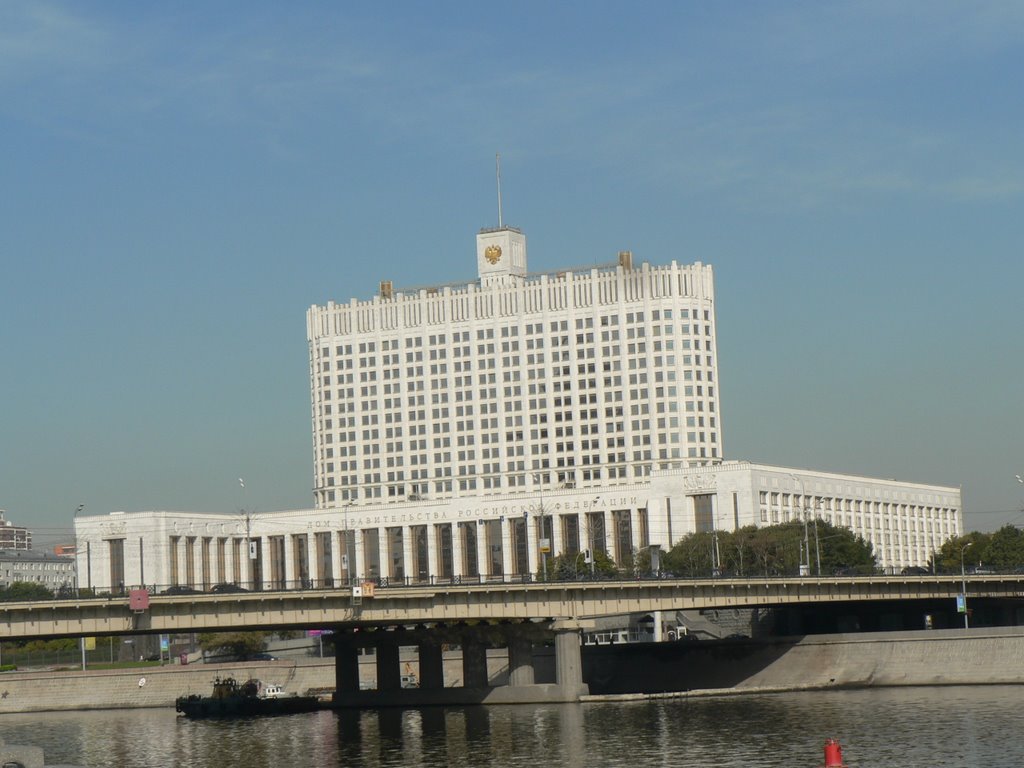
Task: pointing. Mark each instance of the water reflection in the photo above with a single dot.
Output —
(933, 727)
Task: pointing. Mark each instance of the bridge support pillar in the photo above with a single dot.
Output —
(431, 665)
(474, 662)
(520, 660)
(389, 668)
(346, 665)
(568, 659)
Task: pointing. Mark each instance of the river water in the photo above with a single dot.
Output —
(938, 727)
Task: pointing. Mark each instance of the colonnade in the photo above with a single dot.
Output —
(417, 542)
(502, 548)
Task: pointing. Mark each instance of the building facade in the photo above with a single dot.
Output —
(570, 379)
(502, 537)
(22, 565)
(13, 536)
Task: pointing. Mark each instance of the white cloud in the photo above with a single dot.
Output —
(40, 38)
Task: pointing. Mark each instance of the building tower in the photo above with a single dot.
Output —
(516, 381)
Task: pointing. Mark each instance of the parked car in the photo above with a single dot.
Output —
(914, 570)
(980, 570)
(225, 588)
(181, 589)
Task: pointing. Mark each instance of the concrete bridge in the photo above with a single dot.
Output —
(453, 604)
(474, 617)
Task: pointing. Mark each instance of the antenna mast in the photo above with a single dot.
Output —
(497, 168)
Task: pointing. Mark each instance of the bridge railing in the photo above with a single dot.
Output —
(469, 582)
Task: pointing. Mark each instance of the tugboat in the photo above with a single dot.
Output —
(249, 699)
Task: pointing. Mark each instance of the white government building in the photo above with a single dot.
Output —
(460, 430)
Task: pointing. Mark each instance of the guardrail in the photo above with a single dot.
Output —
(469, 582)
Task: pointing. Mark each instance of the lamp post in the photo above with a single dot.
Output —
(74, 528)
(543, 536)
(576, 564)
(78, 583)
(348, 557)
(805, 559)
(817, 544)
(963, 582)
(590, 536)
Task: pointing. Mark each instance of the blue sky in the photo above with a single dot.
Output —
(180, 182)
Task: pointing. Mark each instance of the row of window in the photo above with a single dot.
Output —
(508, 331)
(828, 503)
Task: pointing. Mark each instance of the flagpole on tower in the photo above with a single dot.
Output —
(497, 169)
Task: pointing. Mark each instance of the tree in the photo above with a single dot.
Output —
(569, 566)
(948, 559)
(841, 548)
(25, 590)
(770, 551)
(1005, 549)
(691, 556)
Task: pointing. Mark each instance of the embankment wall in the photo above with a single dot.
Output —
(934, 657)
(937, 657)
(145, 687)
(159, 686)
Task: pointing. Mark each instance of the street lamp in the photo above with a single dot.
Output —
(74, 528)
(576, 564)
(807, 543)
(963, 582)
(348, 557)
(543, 535)
(817, 544)
(78, 581)
(590, 535)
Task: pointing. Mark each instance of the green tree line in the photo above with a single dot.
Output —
(1002, 550)
(774, 550)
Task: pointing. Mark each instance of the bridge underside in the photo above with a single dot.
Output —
(523, 681)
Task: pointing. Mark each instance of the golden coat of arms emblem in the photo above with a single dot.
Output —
(493, 253)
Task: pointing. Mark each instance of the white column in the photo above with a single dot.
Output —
(264, 553)
(241, 554)
(384, 553)
(359, 567)
(337, 550)
(432, 552)
(532, 532)
(658, 529)
(457, 550)
(482, 550)
(506, 549)
(407, 559)
(290, 576)
(179, 553)
(556, 535)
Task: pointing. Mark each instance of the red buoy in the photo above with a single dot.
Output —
(833, 754)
